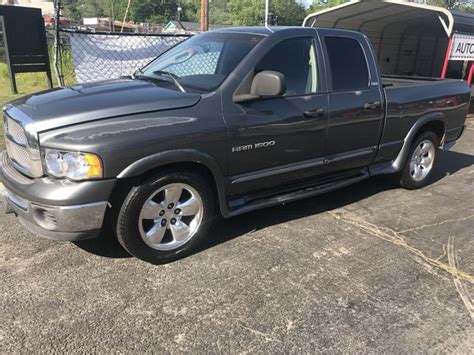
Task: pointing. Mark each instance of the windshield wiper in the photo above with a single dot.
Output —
(136, 73)
(173, 77)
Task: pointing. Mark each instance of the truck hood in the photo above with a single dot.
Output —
(93, 101)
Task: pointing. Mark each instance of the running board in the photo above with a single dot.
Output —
(299, 194)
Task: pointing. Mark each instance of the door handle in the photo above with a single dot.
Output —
(315, 113)
(372, 105)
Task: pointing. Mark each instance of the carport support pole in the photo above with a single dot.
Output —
(471, 73)
(446, 58)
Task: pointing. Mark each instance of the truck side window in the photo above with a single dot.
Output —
(296, 60)
(348, 64)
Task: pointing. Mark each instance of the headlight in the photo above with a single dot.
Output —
(73, 165)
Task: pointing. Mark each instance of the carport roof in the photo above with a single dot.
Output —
(359, 13)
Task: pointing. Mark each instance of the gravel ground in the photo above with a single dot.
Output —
(369, 268)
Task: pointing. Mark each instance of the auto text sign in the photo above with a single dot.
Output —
(463, 47)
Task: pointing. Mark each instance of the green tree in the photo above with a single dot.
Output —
(157, 11)
(458, 5)
(247, 12)
(252, 12)
(191, 10)
(77, 9)
(218, 11)
(319, 5)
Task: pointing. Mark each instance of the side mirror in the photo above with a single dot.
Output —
(265, 84)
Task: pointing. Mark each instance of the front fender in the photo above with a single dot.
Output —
(157, 160)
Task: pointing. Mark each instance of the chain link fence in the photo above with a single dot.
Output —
(91, 56)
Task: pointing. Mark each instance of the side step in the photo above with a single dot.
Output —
(299, 194)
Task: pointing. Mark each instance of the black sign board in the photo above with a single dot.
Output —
(24, 39)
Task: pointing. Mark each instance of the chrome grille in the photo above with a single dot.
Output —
(19, 155)
(21, 142)
(9, 169)
(16, 131)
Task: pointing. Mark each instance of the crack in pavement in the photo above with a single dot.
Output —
(266, 336)
(436, 224)
(393, 237)
(460, 287)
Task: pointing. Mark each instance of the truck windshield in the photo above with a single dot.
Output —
(201, 63)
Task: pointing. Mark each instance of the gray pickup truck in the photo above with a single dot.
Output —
(232, 121)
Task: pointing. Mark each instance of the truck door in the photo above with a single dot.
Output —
(273, 141)
(356, 103)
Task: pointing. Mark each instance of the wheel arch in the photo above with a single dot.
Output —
(184, 159)
(433, 121)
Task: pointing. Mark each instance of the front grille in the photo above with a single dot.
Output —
(24, 157)
(19, 155)
(16, 131)
(9, 170)
(16, 143)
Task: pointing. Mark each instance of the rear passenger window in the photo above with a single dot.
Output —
(296, 59)
(348, 64)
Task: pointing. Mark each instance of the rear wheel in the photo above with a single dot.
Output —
(420, 163)
(166, 217)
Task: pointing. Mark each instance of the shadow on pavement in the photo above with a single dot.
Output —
(451, 162)
(105, 245)
(225, 230)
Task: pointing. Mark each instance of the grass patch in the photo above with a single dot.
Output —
(29, 83)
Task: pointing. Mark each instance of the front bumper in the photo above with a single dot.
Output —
(68, 223)
(55, 209)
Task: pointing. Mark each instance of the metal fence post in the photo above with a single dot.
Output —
(57, 40)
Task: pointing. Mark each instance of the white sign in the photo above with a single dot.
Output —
(91, 21)
(463, 47)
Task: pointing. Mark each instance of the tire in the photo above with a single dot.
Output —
(419, 167)
(159, 224)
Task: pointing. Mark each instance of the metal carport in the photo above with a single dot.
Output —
(408, 38)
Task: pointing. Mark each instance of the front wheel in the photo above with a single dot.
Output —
(166, 217)
(420, 163)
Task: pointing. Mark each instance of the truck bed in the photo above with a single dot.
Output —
(390, 81)
(404, 82)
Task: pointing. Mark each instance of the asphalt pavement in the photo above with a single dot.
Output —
(370, 268)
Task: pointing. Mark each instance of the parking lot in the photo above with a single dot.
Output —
(367, 268)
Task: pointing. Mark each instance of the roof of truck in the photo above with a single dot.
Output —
(259, 30)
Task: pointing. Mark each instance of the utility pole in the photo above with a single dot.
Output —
(267, 10)
(112, 23)
(179, 9)
(204, 15)
(126, 14)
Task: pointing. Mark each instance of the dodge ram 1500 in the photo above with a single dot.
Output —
(231, 120)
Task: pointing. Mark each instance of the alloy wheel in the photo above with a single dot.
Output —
(422, 160)
(171, 216)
